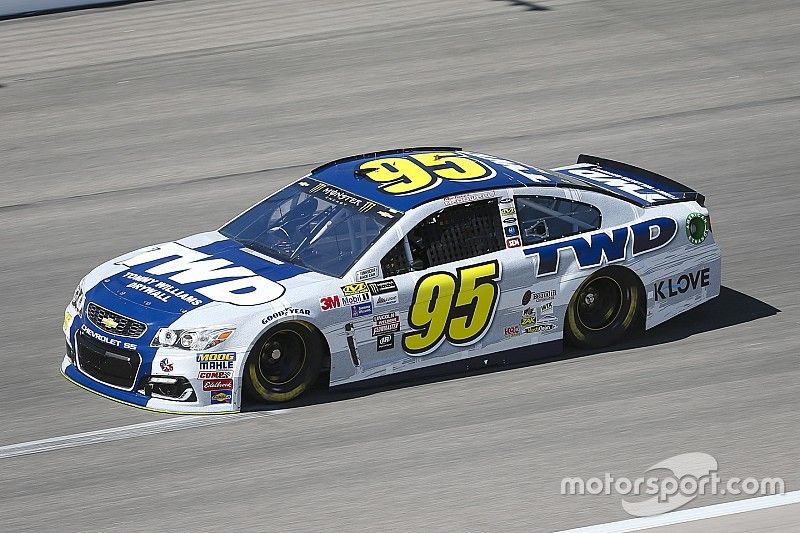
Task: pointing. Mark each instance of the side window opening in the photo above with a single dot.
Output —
(545, 218)
(396, 261)
(451, 234)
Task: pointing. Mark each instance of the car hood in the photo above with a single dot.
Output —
(176, 277)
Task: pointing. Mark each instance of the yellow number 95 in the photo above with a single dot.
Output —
(459, 308)
(416, 173)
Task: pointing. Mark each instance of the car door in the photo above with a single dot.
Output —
(542, 299)
(440, 292)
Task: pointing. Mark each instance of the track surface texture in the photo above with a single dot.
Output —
(125, 126)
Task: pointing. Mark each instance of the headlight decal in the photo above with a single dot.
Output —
(193, 339)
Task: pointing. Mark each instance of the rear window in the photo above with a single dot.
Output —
(545, 218)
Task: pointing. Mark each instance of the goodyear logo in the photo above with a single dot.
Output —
(227, 356)
(354, 288)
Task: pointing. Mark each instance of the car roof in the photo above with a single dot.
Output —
(350, 174)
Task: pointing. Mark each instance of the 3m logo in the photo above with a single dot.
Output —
(326, 303)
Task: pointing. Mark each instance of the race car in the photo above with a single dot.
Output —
(392, 265)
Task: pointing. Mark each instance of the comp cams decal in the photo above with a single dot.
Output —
(459, 308)
(609, 247)
(410, 174)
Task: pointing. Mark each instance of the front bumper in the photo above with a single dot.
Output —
(135, 399)
(207, 396)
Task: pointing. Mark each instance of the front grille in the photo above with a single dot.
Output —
(114, 323)
(106, 363)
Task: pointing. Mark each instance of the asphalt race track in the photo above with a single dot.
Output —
(125, 126)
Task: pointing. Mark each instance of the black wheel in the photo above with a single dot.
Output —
(284, 363)
(604, 308)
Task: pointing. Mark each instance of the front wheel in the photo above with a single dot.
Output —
(284, 363)
(604, 308)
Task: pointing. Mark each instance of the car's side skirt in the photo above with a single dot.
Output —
(514, 356)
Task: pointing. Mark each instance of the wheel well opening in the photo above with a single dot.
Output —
(617, 271)
(326, 351)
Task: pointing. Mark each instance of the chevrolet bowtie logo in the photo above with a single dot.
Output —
(109, 322)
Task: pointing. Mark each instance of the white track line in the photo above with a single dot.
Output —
(690, 515)
(126, 432)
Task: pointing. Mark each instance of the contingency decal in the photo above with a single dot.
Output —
(508, 215)
(410, 174)
(459, 308)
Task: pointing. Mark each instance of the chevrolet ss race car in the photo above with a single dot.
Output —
(391, 265)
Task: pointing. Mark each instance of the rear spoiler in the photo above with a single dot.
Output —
(636, 185)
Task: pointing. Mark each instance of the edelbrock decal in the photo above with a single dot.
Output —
(192, 266)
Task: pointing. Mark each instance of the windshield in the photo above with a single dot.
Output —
(313, 225)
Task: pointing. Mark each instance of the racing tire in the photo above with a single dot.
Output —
(605, 307)
(284, 363)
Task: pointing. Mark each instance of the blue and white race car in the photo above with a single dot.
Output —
(391, 265)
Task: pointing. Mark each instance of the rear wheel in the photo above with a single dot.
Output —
(284, 363)
(605, 307)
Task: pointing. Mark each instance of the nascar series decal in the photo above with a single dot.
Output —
(458, 308)
(410, 174)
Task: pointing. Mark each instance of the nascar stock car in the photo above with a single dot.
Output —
(390, 265)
